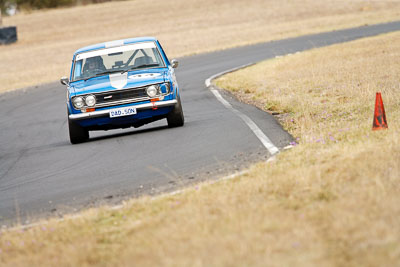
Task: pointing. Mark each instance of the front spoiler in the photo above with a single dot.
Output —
(104, 112)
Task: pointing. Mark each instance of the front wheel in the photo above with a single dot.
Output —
(175, 118)
(77, 134)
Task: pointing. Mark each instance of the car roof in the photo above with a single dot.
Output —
(115, 43)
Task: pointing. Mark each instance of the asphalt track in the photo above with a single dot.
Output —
(42, 174)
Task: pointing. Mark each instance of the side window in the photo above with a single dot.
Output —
(157, 55)
(78, 69)
(163, 53)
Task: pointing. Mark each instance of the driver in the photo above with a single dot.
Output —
(93, 65)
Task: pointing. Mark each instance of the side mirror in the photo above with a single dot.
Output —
(64, 81)
(174, 63)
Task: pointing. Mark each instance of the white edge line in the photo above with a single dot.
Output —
(272, 149)
(208, 81)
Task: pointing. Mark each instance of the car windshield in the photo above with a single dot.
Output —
(116, 59)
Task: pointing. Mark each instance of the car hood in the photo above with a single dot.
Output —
(118, 81)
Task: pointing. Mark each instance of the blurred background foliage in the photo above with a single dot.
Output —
(10, 7)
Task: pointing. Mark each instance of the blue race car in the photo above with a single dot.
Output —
(121, 84)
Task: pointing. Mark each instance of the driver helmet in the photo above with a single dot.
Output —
(95, 63)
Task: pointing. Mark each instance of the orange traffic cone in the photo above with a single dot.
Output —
(379, 115)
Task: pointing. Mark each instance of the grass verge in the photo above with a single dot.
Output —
(330, 201)
(47, 39)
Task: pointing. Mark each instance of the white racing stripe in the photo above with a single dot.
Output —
(272, 149)
(118, 80)
(113, 49)
(114, 43)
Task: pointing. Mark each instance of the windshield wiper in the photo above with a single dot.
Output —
(107, 72)
(141, 66)
(88, 78)
(102, 73)
(123, 71)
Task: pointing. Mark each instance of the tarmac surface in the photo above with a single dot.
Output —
(42, 174)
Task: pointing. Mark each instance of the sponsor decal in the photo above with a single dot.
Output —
(144, 76)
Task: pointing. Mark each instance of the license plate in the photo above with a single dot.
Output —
(119, 112)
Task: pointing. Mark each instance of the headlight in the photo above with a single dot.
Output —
(78, 102)
(90, 100)
(152, 90)
(167, 87)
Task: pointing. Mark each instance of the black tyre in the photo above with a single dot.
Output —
(77, 134)
(175, 118)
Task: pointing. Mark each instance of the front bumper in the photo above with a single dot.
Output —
(105, 112)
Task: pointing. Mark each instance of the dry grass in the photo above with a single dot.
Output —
(327, 100)
(324, 94)
(332, 202)
(47, 39)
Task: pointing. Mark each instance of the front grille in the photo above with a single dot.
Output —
(116, 97)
